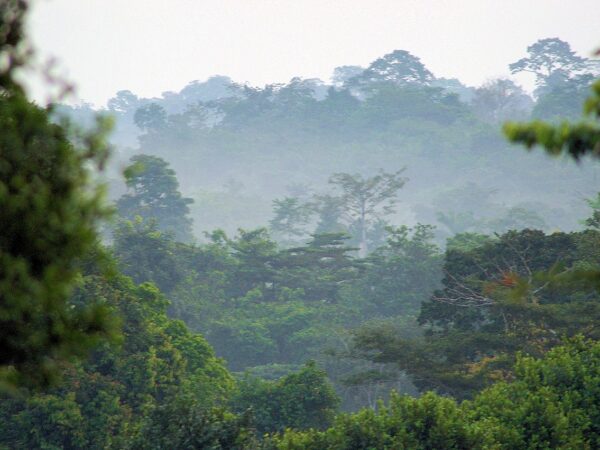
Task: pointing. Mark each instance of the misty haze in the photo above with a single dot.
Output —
(387, 256)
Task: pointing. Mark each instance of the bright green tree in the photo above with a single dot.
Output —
(554, 402)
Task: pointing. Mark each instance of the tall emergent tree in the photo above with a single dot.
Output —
(553, 63)
(398, 67)
(49, 209)
(368, 199)
(155, 196)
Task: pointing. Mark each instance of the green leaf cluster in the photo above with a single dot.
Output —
(50, 207)
(553, 403)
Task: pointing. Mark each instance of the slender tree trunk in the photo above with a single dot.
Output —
(362, 251)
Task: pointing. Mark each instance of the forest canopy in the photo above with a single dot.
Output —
(385, 270)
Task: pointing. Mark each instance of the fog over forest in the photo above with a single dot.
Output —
(237, 148)
(384, 259)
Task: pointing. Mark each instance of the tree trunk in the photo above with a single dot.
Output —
(362, 250)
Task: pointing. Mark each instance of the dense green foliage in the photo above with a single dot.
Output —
(511, 293)
(158, 385)
(49, 210)
(492, 308)
(553, 403)
(122, 390)
(300, 400)
(259, 304)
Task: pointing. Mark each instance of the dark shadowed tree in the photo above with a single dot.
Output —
(49, 210)
(300, 400)
(146, 255)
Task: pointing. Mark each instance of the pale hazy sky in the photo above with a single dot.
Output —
(152, 46)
